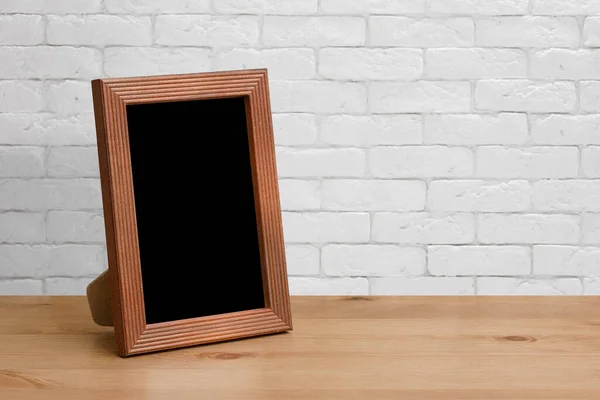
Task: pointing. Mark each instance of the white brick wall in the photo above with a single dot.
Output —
(422, 96)
(479, 196)
(317, 32)
(21, 29)
(417, 32)
(527, 31)
(565, 64)
(423, 146)
(50, 62)
(373, 260)
(479, 260)
(591, 36)
(527, 162)
(371, 64)
(475, 63)
(99, 30)
(479, 7)
(204, 31)
(525, 96)
(423, 228)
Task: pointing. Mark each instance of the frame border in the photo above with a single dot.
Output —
(111, 96)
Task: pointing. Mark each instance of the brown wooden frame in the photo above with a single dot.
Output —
(111, 96)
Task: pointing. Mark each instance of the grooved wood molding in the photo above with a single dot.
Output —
(423, 146)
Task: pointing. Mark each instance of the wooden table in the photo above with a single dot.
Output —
(419, 348)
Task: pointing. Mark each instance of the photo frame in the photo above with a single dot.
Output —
(157, 137)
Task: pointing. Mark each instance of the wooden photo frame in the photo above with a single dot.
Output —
(186, 127)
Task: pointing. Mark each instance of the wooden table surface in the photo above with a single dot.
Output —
(348, 348)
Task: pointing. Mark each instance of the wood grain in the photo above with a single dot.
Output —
(425, 348)
(133, 334)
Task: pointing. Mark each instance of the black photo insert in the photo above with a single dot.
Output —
(195, 210)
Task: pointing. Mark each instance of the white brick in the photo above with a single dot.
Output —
(25, 6)
(566, 261)
(73, 226)
(320, 162)
(373, 6)
(427, 32)
(371, 64)
(475, 63)
(481, 196)
(128, 61)
(566, 195)
(370, 130)
(281, 7)
(591, 32)
(43, 129)
(242, 59)
(590, 95)
(590, 227)
(421, 162)
(157, 6)
(328, 286)
(73, 162)
(23, 261)
(423, 228)
(565, 64)
(281, 63)
(21, 29)
(591, 287)
(475, 129)
(294, 129)
(20, 227)
(299, 194)
(479, 7)
(289, 63)
(373, 260)
(423, 286)
(326, 227)
(318, 97)
(528, 228)
(206, 30)
(590, 162)
(21, 287)
(51, 6)
(99, 30)
(21, 96)
(527, 287)
(45, 62)
(314, 31)
(479, 260)
(524, 95)
(527, 162)
(302, 260)
(68, 97)
(42, 260)
(565, 129)
(45, 194)
(66, 286)
(527, 31)
(76, 260)
(21, 162)
(373, 195)
(419, 97)
(565, 7)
